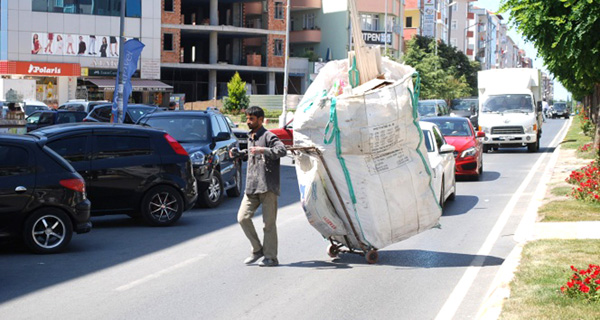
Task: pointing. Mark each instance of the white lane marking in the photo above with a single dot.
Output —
(457, 296)
(160, 273)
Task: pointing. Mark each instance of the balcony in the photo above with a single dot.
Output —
(470, 34)
(305, 4)
(470, 15)
(305, 36)
(409, 33)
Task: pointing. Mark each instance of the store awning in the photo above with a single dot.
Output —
(137, 85)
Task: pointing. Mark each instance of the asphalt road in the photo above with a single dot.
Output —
(193, 270)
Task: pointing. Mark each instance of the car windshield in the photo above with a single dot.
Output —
(458, 127)
(230, 123)
(559, 106)
(463, 104)
(508, 103)
(29, 109)
(426, 109)
(135, 113)
(185, 129)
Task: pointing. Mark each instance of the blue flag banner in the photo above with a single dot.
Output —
(131, 53)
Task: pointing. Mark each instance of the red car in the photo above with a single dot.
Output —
(459, 132)
(285, 134)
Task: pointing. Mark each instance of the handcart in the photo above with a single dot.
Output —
(336, 247)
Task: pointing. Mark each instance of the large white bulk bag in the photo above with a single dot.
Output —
(375, 153)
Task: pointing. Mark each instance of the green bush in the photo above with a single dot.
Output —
(237, 99)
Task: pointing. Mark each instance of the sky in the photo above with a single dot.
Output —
(560, 93)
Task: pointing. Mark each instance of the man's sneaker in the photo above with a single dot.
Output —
(254, 257)
(269, 263)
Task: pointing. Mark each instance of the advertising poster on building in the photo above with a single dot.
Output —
(429, 18)
(63, 44)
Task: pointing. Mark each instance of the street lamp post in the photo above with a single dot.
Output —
(450, 19)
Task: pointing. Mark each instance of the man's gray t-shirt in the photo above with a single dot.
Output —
(263, 169)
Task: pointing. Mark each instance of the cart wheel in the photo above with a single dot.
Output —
(333, 250)
(372, 256)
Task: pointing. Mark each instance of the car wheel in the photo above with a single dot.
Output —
(237, 190)
(48, 231)
(162, 206)
(213, 195)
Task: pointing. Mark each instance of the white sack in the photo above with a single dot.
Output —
(385, 156)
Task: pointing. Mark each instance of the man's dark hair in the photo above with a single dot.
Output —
(255, 111)
(12, 106)
(172, 105)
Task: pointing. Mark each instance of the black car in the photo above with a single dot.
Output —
(207, 138)
(466, 107)
(128, 169)
(103, 113)
(39, 119)
(240, 134)
(42, 198)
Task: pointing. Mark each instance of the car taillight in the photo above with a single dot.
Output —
(85, 120)
(73, 184)
(175, 145)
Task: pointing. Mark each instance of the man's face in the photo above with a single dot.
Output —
(254, 122)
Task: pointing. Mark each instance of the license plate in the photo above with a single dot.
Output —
(504, 138)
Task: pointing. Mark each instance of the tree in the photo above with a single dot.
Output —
(566, 34)
(452, 58)
(237, 99)
(437, 81)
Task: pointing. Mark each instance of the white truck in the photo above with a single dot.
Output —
(510, 108)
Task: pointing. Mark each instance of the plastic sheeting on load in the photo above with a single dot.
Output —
(375, 152)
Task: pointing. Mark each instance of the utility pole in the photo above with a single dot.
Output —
(119, 90)
(287, 57)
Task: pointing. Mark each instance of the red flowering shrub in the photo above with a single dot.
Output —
(584, 283)
(585, 148)
(587, 183)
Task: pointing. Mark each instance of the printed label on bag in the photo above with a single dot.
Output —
(380, 163)
(382, 138)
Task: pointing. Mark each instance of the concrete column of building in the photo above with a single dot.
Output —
(214, 12)
(212, 83)
(213, 49)
(271, 84)
(62, 89)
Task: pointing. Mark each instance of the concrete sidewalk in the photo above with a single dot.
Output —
(567, 230)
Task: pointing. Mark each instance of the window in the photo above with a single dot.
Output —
(439, 140)
(168, 42)
(169, 6)
(111, 147)
(278, 48)
(103, 114)
(369, 22)
(72, 149)
(279, 10)
(454, 23)
(46, 118)
(133, 8)
(428, 139)
(223, 124)
(14, 161)
(34, 117)
(214, 126)
(308, 21)
(455, 7)
(409, 22)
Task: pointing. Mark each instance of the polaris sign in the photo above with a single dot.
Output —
(43, 70)
(377, 37)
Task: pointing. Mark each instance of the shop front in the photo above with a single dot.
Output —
(99, 84)
(51, 83)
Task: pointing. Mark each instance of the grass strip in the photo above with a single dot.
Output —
(569, 210)
(544, 268)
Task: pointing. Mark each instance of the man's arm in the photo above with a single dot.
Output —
(276, 148)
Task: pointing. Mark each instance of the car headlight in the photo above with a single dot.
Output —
(452, 114)
(198, 158)
(530, 129)
(469, 152)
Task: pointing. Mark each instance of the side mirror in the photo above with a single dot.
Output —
(223, 136)
(446, 148)
(539, 106)
(480, 134)
(235, 125)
